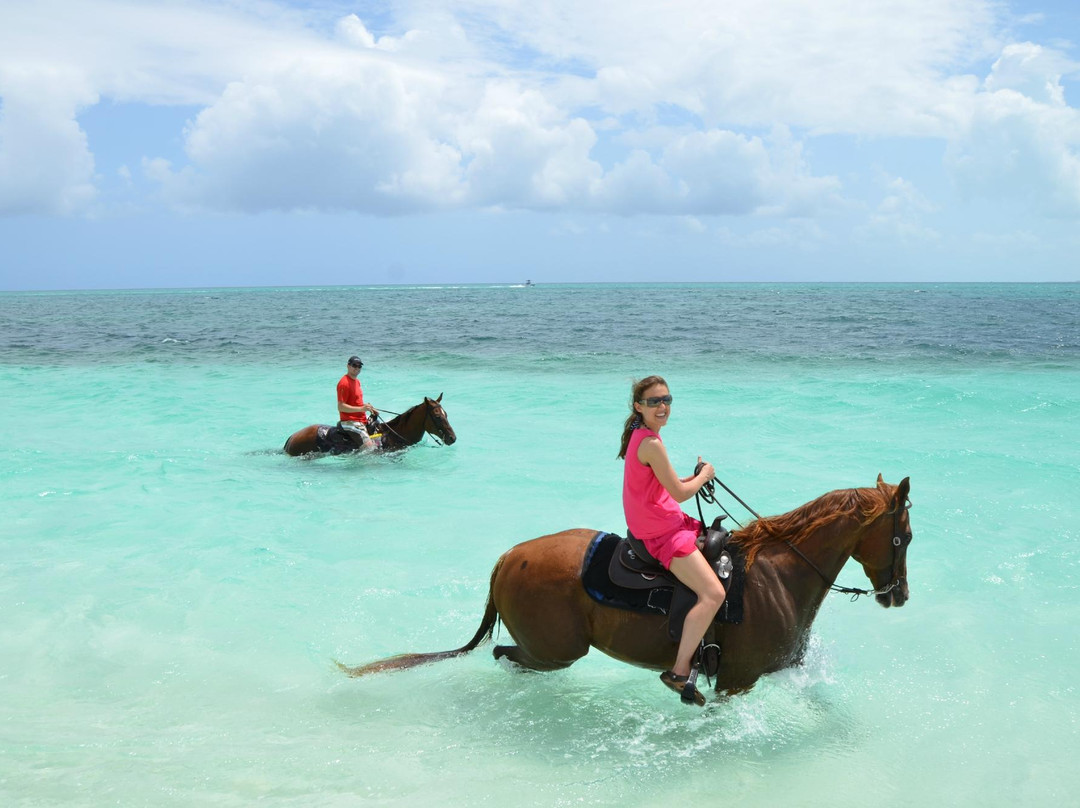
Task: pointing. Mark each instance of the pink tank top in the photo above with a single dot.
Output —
(651, 512)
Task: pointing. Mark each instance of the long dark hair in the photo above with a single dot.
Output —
(633, 421)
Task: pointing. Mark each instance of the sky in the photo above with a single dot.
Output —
(271, 143)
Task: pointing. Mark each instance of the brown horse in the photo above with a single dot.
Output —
(792, 561)
(398, 433)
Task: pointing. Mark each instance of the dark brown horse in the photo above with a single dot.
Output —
(792, 561)
(398, 433)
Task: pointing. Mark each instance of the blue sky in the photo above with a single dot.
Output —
(254, 142)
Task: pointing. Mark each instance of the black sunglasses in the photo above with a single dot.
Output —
(656, 401)
(355, 365)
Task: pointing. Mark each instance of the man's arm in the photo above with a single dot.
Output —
(343, 407)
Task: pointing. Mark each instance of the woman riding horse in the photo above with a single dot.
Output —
(652, 492)
(792, 561)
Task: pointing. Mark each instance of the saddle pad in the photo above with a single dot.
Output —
(333, 439)
(598, 585)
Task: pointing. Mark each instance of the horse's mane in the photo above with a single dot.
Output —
(866, 504)
(401, 418)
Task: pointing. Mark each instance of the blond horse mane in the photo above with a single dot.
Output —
(866, 504)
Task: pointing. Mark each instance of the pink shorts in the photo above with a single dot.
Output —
(682, 542)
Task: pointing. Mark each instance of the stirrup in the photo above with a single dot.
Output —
(685, 686)
(689, 693)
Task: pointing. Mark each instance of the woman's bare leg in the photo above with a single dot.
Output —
(694, 571)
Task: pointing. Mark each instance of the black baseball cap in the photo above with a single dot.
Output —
(355, 360)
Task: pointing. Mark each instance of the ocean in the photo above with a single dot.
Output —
(174, 590)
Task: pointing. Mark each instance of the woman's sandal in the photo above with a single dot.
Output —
(689, 693)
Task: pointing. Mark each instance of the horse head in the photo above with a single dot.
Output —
(436, 422)
(882, 548)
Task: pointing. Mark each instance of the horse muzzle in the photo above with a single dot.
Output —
(896, 596)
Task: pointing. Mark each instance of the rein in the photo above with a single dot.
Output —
(395, 433)
(855, 592)
(707, 493)
(388, 428)
(899, 544)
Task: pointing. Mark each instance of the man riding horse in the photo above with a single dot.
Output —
(352, 410)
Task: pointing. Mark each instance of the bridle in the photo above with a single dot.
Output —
(434, 431)
(435, 428)
(900, 541)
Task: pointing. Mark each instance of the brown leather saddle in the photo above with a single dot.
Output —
(619, 573)
(631, 567)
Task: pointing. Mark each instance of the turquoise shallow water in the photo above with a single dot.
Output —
(174, 589)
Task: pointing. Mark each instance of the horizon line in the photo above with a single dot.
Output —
(520, 284)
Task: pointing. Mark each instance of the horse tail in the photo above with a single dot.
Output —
(404, 661)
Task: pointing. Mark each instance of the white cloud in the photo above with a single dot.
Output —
(377, 136)
(446, 40)
(524, 152)
(1022, 141)
(157, 169)
(718, 172)
(321, 134)
(694, 225)
(900, 214)
(801, 234)
(1031, 70)
(351, 30)
(497, 103)
(57, 58)
(45, 162)
(829, 66)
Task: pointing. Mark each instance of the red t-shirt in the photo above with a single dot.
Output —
(349, 392)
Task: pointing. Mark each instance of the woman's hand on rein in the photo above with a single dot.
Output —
(706, 468)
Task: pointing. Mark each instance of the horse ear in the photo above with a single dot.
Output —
(880, 481)
(902, 491)
(439, 399)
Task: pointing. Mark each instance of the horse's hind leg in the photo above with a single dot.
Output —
(515, 654)
(538, 593)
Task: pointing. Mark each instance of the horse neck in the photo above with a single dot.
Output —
(410, 424)
(827, 546)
